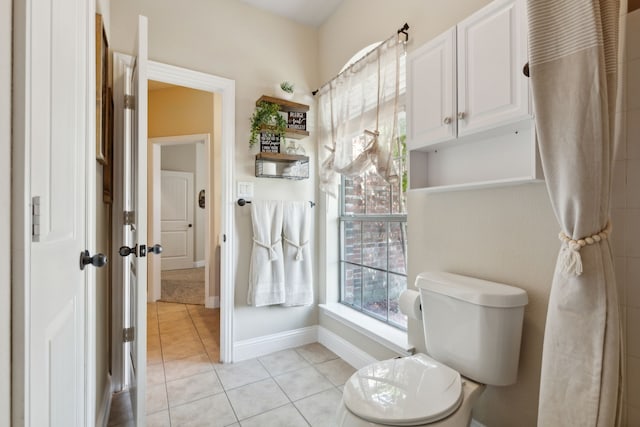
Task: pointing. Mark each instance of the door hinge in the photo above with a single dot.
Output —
(35, 219)
(129, 102)
(129, 217)
(128, 334)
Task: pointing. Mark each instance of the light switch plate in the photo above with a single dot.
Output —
(245, 190)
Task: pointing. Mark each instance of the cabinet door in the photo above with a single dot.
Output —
(431, 100)
(492, 51)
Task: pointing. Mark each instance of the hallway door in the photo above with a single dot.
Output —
(134, 250)
(176, 220)
(53, 188)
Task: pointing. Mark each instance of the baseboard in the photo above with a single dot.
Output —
(212, 302)
(343, 348)
(260, 346)
(198, 264)
(102, 416)
(475, 423)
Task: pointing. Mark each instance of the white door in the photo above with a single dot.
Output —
(51, 123)
(176, 219)
(431, 92)
(492, 52)
(134, 250)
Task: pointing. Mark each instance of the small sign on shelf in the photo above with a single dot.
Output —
(269, 142)
(297, 120)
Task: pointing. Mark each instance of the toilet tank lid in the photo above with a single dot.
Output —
(472, 290)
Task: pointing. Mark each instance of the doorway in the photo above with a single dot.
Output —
(222, 151)
(222, 148)
(182, 214)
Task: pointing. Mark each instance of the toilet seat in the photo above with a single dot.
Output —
(404, 392)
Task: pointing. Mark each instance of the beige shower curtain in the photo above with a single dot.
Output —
(573, 68)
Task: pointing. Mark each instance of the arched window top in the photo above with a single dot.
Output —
(359, 55)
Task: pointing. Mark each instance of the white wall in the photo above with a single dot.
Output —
(5, 211)
(256, 49)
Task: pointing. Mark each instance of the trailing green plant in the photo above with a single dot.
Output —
(286, 86)
(267, 118)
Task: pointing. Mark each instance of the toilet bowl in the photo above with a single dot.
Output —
(409, 391)
(472, 333)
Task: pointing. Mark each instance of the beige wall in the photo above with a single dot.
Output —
(504, 234)
(358, 23)
(341, 37)
(230, 39)
(5, 211)
(626, 219)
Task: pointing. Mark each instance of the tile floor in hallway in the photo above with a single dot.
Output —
(186, 386)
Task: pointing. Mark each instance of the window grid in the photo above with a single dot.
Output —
(349, 267)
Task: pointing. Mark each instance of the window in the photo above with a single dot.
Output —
(362, 128)
(373, 241)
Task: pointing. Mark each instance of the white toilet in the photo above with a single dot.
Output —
(472, 331)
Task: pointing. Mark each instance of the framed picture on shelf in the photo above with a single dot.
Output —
(269, 142)
(102, 77)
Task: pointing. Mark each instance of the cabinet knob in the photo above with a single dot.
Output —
(461, 115)
(447, 120)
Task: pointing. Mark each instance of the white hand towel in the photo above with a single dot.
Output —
(266, 271)
(297, 258)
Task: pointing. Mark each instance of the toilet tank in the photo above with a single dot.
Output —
(473, 326)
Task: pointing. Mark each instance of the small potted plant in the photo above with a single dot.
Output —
(285, 90)
(267, 118)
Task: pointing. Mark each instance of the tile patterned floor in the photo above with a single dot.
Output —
(186, 386)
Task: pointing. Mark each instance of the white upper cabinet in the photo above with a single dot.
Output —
(431, 71)
(469, 121)
(469, 79)
(492, 51)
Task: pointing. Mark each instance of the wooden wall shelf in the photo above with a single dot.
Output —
(290, 133)
(284, 104)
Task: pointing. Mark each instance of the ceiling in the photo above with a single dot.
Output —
(307, 12)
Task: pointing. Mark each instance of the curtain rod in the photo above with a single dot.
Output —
(403, 30)
(242, 202)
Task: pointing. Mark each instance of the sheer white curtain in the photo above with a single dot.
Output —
(358, 116)
(573, 67)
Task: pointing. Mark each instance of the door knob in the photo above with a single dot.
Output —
(98, 260)
(461, 115)
(126, 250)
(155, 249)
(190, 225)
(447, 120)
